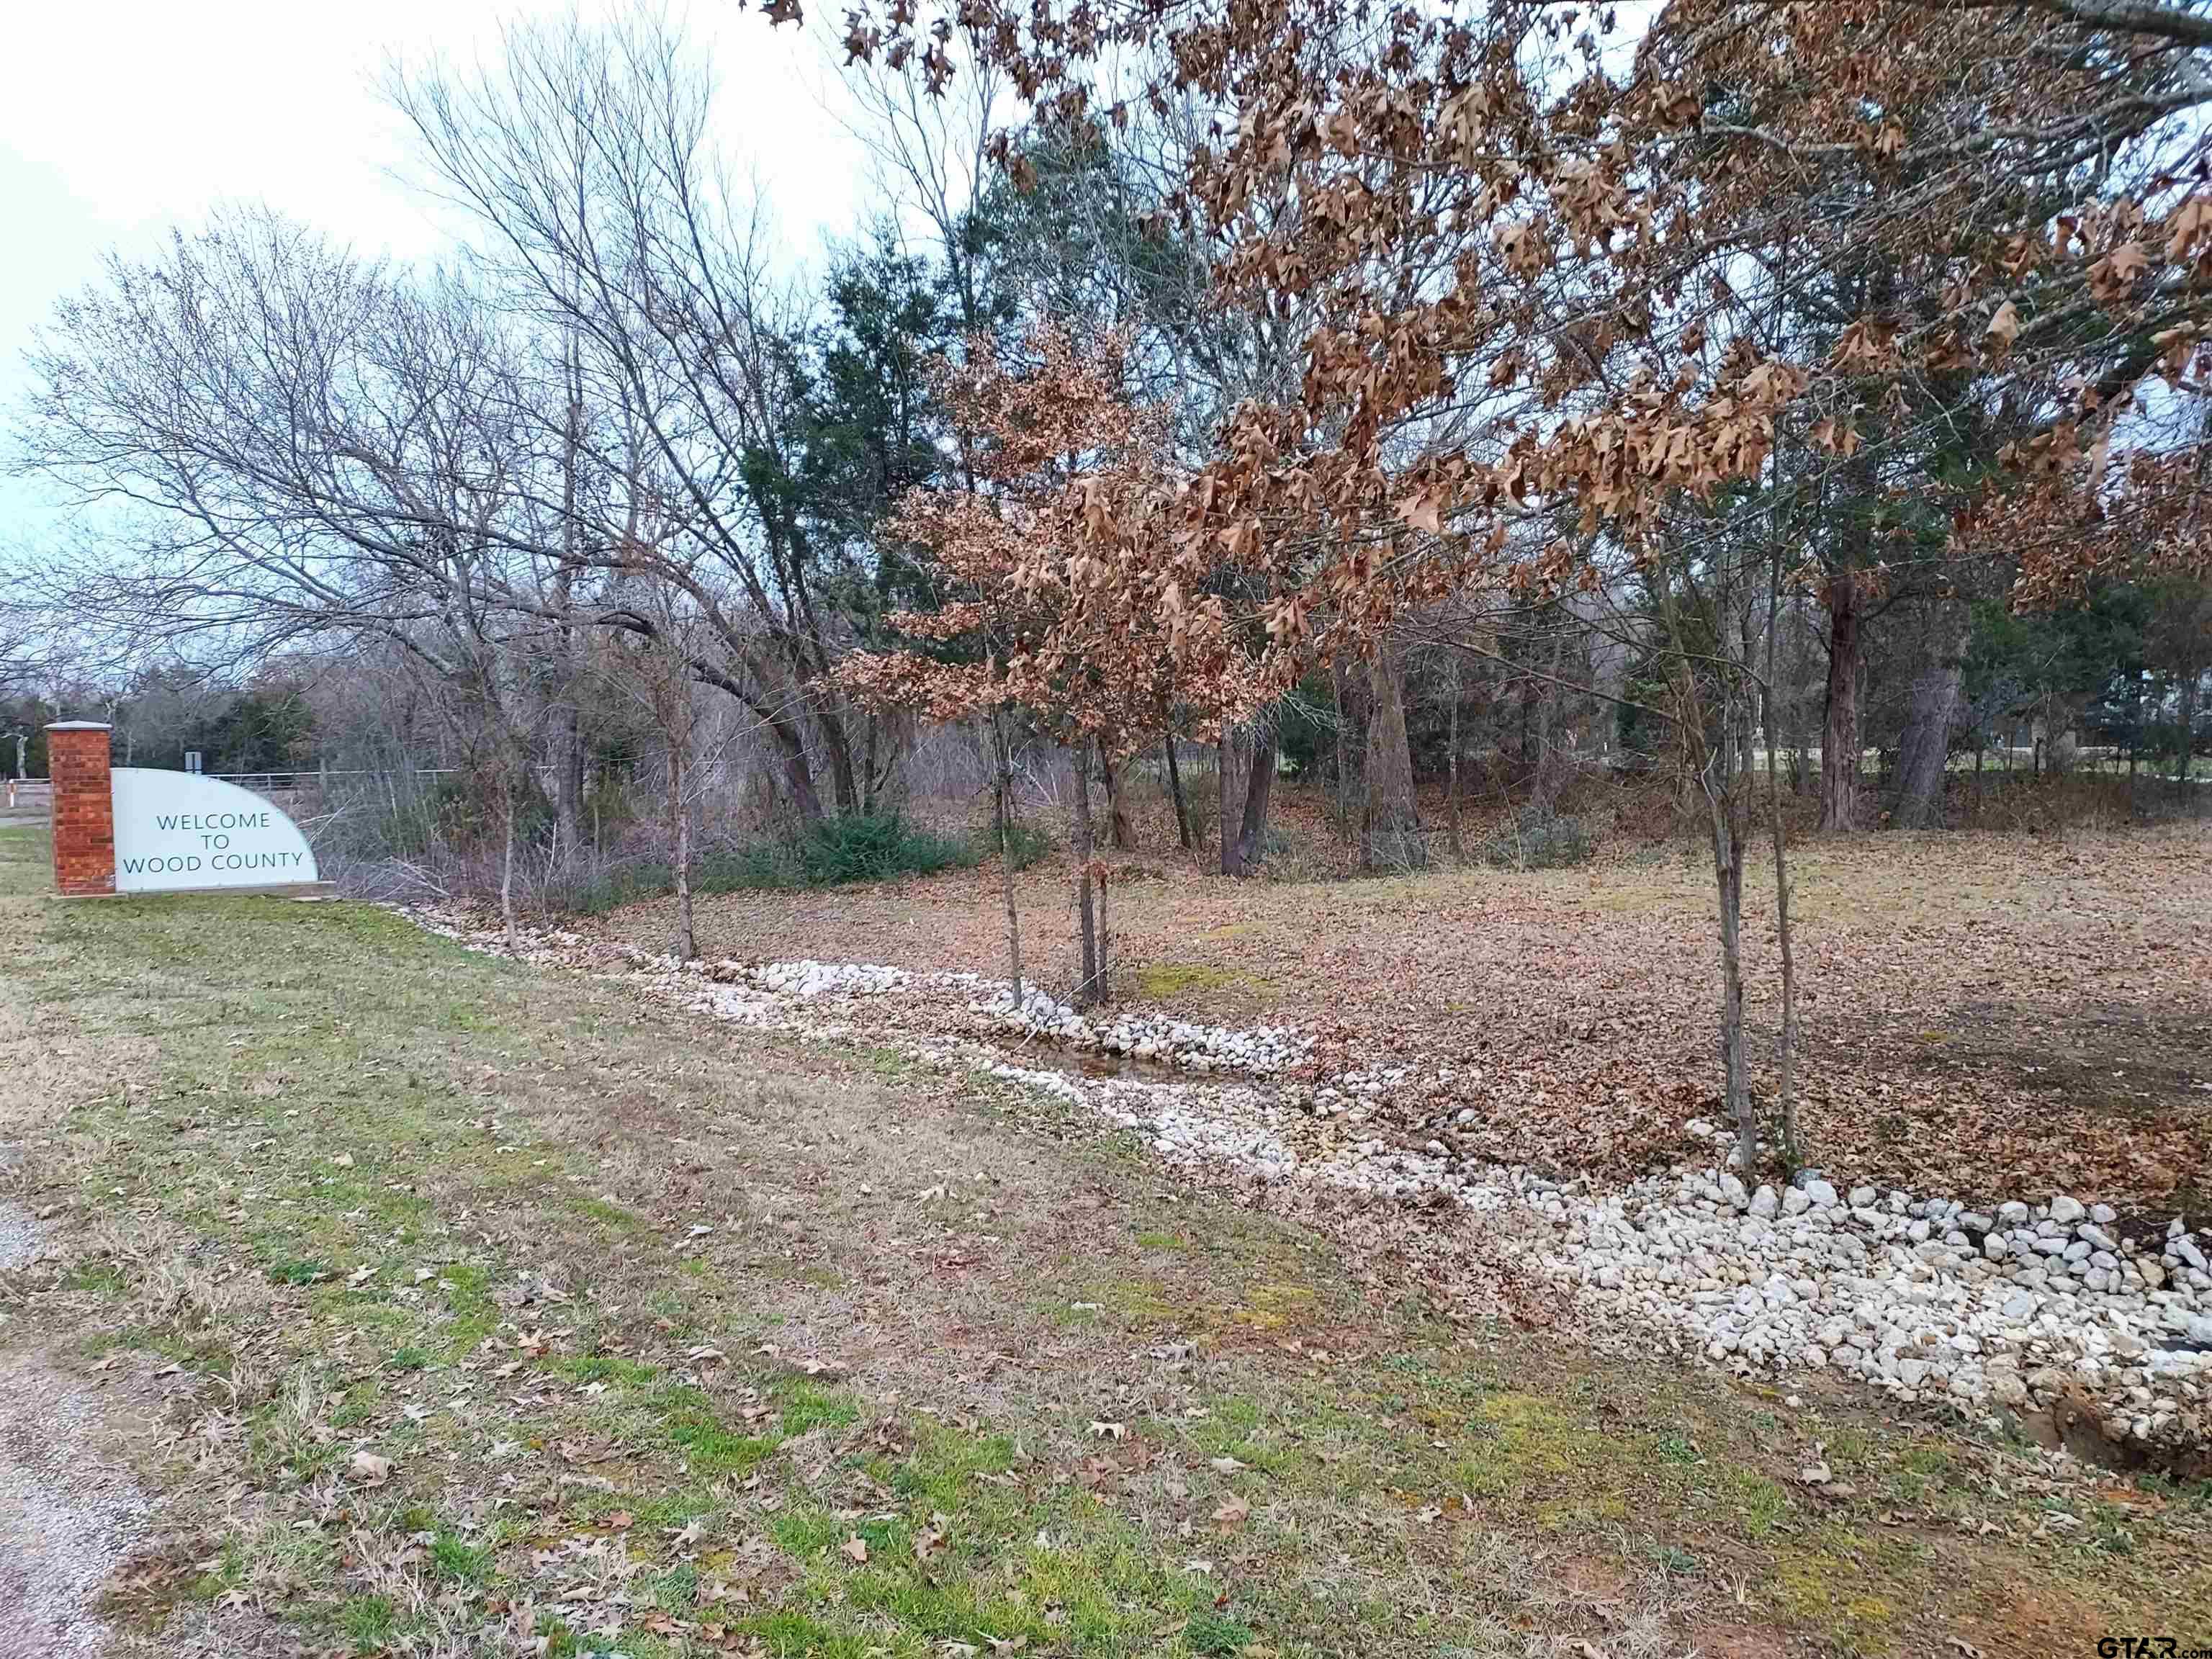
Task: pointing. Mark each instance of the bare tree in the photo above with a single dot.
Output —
(584, 155)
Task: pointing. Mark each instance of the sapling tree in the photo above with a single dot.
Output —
(1049, 564)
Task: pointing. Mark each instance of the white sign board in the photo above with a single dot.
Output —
(179, 831)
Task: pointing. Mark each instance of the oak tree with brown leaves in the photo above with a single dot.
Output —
(1580, 279)
(1062, 602)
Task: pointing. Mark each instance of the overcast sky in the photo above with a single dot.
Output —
(120, 118)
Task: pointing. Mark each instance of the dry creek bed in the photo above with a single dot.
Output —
(2046, 1311)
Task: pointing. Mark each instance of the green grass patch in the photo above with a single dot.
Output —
(457, 1559)
(367, 1622)
(807, 1407)
(604, 1368)
(1159, 981)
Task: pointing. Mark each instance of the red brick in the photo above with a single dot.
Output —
(84, 808)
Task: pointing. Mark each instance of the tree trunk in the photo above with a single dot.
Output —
(1102, 989)
(1451, 766)
(687, 939)
(1785, 1041)
(1343, 733)
(2189, 684)
(1548, 762)
(2134, 735)
(506, 865)
(563, 738)
(1391, 832)
(1839, 737)
(1087, 987)
(1002, 812)
(797, 776)
(1120, 834)
(1727, 880)
(1226, 765)
(1527, 719)
(1259, 783)
(1175, 789)
(838, 748)
(1924, 751)
(565, 729)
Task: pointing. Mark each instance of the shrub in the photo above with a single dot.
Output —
(612, 887)
(1025, 843)
(874, 847)
(1537, 839)
(761, 866)
(870, 848)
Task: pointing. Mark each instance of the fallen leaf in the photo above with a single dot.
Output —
(2005, 326)
(1232, 1514)
(931, 1541)
(1103, 1430)
(855, 1548)
(368, 1469)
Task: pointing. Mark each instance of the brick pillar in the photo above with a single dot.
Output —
(84, 807)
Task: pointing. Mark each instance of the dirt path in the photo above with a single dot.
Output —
(69, 1510)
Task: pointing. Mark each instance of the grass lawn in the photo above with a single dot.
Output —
(484, 1308)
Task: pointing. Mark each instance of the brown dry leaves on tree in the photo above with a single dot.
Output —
(1570, 274)
(1073, 596)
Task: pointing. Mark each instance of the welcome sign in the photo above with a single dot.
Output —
(134, 829)
(176, 830)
